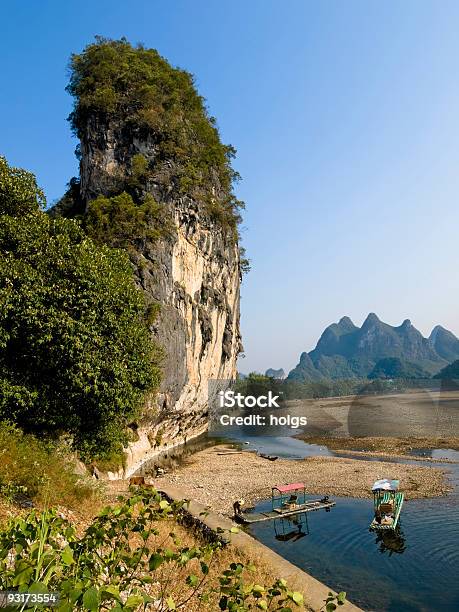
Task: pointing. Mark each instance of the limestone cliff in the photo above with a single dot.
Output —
(194, 274)
(194, 271)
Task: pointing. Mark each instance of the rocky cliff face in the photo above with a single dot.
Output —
(194, 274)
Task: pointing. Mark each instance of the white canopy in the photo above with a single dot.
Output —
(385, 485)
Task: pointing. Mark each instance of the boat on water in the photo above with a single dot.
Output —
(286, 501)
(387, 502)
(268, 457)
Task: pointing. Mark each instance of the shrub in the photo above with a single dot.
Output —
(19, 193)
(75, 351)
(120, 222)
(41, 471)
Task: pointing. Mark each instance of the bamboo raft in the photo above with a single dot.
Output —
(388, 502)
(258, 517)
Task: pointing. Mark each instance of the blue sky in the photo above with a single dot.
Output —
(346, 120)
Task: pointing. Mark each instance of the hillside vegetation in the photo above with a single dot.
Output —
(75, 349)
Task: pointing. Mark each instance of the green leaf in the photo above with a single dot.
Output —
(91, 599)
(23, 577)
(155, 561)
(234, 530)
(297, 598)
(38, 587)
(112, 590)
(67, 556)
(170, 603)
(341, 598)
(192, 580)
(133, 601)
(204, 568)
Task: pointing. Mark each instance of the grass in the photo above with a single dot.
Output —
(43, 472)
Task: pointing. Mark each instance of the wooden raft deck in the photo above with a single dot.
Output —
(257, 517)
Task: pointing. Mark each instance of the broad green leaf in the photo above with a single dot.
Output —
(192, 580)
(67, 556)
(297, 597)
(155, 561)
(112, 590)
(133, 601)
(91, 599)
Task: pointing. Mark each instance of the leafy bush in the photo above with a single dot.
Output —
(75, 351)
(141, 91)
(19, 192)
(122, 563)
(120, 222)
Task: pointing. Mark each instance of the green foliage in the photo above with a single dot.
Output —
(19, 193)
(42, 471)
(136, 87)
(121, 563)
(120, 222)
(244, 261)
(75, 352)
(333, 601)
(139, 169)
(237, 596)
(394, 367)
(258, 384)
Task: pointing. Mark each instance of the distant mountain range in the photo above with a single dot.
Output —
(376, 350)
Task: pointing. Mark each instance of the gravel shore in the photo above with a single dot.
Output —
(217, 480)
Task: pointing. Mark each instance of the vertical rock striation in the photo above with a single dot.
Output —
(194, 275)
(144, 130)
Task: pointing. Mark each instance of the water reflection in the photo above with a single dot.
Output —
(291, 529)
(391, 541)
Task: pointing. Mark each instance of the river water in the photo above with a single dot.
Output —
(415, 570)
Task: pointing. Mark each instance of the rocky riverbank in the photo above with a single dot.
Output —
(217, 480)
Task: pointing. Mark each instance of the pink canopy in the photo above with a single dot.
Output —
(289, 487)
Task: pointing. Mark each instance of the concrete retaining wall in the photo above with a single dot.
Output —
(315, 592)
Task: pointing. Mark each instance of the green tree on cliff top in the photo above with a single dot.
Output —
(138, 90)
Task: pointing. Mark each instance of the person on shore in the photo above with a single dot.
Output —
(237, 507)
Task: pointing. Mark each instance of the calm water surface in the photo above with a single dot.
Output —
(417, 570)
